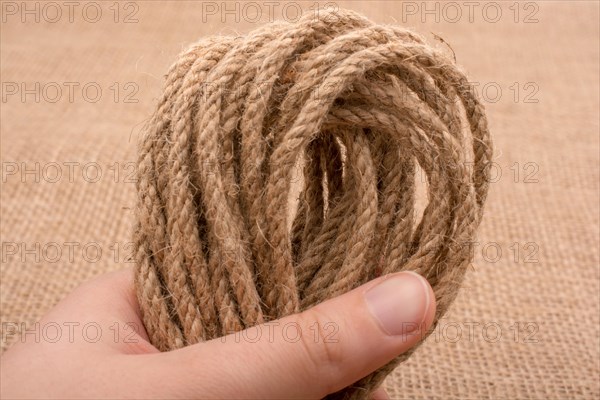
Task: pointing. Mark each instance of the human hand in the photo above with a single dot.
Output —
(93, 345)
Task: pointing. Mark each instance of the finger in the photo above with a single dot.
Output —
(380, 394)
(102, 311)
(306, 355)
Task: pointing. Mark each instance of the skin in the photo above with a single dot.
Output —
(123, 364)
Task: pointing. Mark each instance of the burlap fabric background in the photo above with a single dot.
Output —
(526, 325)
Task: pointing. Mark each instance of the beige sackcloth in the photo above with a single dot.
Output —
(526, 323)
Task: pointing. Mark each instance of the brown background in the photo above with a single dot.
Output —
(547, 132)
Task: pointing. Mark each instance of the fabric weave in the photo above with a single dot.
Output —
(546, 309)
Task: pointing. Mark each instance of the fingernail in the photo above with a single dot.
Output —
(399, 303)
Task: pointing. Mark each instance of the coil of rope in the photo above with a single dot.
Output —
(361, 107)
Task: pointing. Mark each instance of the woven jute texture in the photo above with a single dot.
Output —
(525, 324)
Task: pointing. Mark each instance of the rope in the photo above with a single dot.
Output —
(344, 109)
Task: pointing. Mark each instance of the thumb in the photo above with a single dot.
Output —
(305, 355)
